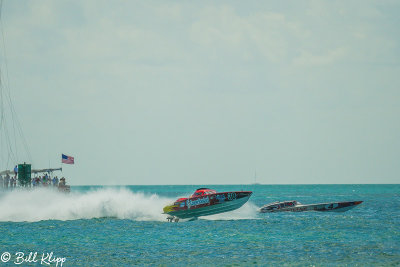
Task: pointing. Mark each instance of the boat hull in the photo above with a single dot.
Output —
(208, 205)
(327, 207)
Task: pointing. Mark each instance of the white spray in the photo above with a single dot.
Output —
(45, 204)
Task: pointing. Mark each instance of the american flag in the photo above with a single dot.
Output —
(67, 159)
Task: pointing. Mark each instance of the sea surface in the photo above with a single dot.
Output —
(123, 226)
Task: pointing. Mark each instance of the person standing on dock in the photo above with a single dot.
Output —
(16, 171)
(6, 180)
(12, 182)
(55, 181)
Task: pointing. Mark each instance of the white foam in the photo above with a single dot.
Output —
(46, 204)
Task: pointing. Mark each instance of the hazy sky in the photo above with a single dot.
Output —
(203, 92)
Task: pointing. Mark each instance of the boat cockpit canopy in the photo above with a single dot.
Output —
(203, 191)
(280, 205)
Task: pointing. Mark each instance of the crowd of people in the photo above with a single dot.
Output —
(8, 181)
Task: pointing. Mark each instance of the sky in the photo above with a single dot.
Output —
(206, 92)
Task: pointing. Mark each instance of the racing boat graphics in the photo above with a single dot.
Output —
(297, 206)
(205, 202)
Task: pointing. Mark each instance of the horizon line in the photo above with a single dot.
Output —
(224, 184)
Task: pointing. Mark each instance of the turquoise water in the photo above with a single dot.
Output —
(122, 226)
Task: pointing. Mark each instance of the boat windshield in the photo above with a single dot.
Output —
(203, 192)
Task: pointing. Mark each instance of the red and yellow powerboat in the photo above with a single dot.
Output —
(205, 202)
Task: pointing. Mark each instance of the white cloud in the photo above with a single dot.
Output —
(306, 58)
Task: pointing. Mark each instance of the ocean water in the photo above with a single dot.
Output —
(123, 226)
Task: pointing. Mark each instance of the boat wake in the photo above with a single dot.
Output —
(44, 204)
